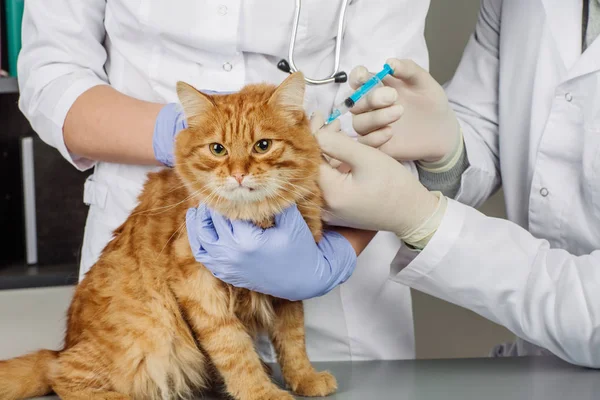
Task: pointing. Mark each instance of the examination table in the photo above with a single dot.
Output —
(535, 378)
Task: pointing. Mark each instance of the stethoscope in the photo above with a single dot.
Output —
(290, 67)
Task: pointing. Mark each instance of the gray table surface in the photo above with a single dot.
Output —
(538, 378)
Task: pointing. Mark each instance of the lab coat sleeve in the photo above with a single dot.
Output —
(62, 56)
(377, 30)
(473, 94)
(499, 270)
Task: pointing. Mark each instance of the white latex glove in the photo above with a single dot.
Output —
(317, 122)
(378, 194)
(409, 118)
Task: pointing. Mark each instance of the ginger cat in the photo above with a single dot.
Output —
(148, 321)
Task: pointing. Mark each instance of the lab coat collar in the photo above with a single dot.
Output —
(564, 22)
(589, 61)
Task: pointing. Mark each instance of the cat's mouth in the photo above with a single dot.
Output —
(251, 189)
(243, 193)
(243, 188)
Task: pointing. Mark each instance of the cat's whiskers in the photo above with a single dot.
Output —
(299, 190)
(308, 159)
(293, 172)
(182, 185)
(289, 176)
(306, 203)
(278, 205)
(169, 207)
(171, 237)
(296, 197)
(214, 193)
(181, 231)
(277, 190)
(312, 204)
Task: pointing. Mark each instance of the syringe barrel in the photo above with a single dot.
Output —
(370, 84)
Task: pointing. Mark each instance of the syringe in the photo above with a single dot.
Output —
(349, 102)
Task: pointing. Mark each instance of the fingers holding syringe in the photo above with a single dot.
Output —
(378, 138)
(376, 120)
(378, 98)
(358, 76)
(408, 71)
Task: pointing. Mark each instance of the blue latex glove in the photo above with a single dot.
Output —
(169, 122)
(283, 261)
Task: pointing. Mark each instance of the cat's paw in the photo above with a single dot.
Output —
(267, 392)
(314, 384)
(277, 394)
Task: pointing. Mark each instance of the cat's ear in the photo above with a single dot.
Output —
(193, 101)
(289, 96)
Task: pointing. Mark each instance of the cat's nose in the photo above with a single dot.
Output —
(239, 177)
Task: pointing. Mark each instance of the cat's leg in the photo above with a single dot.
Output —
(78, 376)
(288, 339)
(231, 350)
(80, 384)
(225, 339)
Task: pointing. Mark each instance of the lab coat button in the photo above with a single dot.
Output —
(544, 192)
(569, 97)
(222, 10)
(227, 66)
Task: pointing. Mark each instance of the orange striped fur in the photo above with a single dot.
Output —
(149, 322)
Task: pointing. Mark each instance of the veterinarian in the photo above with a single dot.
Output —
(523, 110)
(97, 81)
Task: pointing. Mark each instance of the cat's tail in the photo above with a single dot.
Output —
(26, 376)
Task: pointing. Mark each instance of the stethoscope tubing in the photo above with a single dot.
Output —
(336, 75)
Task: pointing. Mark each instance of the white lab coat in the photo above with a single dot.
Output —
(528, 101)
(143, 47)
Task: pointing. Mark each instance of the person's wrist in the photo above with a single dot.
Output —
(339, 256)
(418, 237)
(448, 161)
(334, 261)
(169, 122)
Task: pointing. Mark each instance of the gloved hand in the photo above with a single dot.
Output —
(409, 118)
(169, 122)
(317, 122)
(378, 194)
(283, 261)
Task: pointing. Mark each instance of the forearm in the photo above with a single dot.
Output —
(500, 271)
(106, 125)
(359, 239)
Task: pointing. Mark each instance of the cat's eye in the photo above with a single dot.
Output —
(217, 149)
(262, 146)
